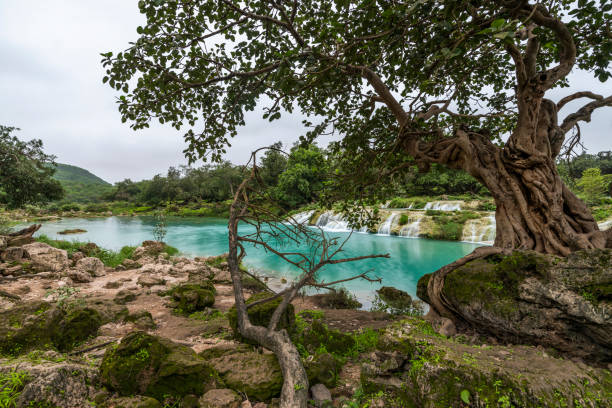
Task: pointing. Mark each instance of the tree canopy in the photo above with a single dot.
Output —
(25, 172)
(400, 81)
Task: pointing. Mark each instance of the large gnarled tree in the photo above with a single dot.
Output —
(437, 81)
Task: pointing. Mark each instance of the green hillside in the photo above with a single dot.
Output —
(81, 186)
(66, 172)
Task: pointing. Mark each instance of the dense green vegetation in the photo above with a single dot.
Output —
(25, 172)
(80, 185)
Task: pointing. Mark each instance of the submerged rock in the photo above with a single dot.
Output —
(154, 366)
(530, 298)
(244, 370)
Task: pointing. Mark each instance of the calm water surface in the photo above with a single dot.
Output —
(410, 258)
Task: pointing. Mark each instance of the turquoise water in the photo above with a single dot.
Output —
(410, 258)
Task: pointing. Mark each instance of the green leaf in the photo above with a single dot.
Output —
(498, 23)
(465, 396)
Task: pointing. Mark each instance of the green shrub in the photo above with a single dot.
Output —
(70, 207)
(339, 299)
(11, 385)
(108, 257)
(403, 220)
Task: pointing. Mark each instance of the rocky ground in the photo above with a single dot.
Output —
(156, 332)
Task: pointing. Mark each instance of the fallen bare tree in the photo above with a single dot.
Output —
(253, 208)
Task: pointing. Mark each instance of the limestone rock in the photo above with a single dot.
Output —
(153, 366)
(150, 248)
(13, 254)
(149, 281)
(413, 366)
(124, 296)
(67, 385)
(320, 394)
(91, 265)
(39, 324)
(3, 242)
(189, 298)
(78, 276)
(246, 371)
(130, 264)
(46, 258)
(132, 402)
(530, 298)
(77, 256)
(220, 398)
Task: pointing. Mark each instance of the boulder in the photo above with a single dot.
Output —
(154, 366)
(323, 368)
(39, 325)
(79, 276)
(220, 398)
(148, 281)
(149, 248)
(130, 264)
(138, 401)
(124, 296)
(142, 320)
(415, 367)
(77, 256)
(320, 394)
(189, 298)
(92, 266)
(46, 258)
(531, 298)
(317, 334)
(52, 384)
(260, 314)
(13, 254)
(246, 371)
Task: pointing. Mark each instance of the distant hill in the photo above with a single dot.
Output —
(81, 185)
(66, 172)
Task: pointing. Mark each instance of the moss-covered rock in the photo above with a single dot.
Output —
(261, 314)
(75, 327)
(132, 402)
(323, 368)
(191, 297)
(154, 366)
(141, 319)
(317, 336)
(414, 367)
(246, 371)
(41, 325)
(532, 298)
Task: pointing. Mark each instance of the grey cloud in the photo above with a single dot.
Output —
(50, 86)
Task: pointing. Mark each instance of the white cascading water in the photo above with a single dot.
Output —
(328, 221)
(385, 227)
(605, 225)
(413, 229)
(444, 205)
(481, 230)
(303, 217)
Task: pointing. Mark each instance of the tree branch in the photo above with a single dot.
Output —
(584, 114)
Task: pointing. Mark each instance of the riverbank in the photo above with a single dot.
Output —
(155, 331)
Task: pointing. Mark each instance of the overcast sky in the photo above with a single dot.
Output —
(51, 87)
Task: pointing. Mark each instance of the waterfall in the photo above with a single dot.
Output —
(328, 221)
(410, 206)
(303, 217)
(604, 225)
(479, 230)
(444, 205)
(385, 228)
(413, 229)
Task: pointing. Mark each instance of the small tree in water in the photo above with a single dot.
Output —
(160, 228)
